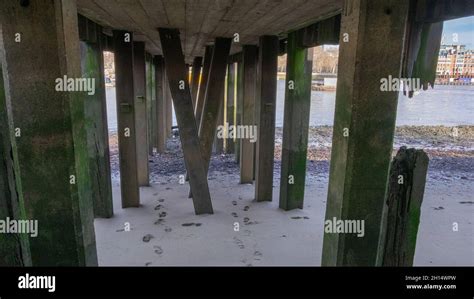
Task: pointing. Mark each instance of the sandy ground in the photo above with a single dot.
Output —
(165, 231)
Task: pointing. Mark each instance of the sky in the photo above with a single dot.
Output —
(464, 28)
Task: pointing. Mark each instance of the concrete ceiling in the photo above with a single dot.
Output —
(200, 21)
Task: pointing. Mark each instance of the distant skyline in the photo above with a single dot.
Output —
(464, 28)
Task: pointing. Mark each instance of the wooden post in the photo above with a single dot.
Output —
(219, 140)
(204, 78)
(151, 102)
(141, 113)
(176, 72)
(213, 98)
(50, 152)
(169, 108)
(14, 250)
(371, 46)
(230, 105)
(92, 63)
(239, 103)
(249, 90)
(160, 105)
(123, 56)
(195, 77)
(402, 208)
(266, 101)
(296, 123)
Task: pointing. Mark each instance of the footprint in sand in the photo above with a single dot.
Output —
(257, 255)
(239, 243)
(147, 238)
(161, 200)
(235, 214)
(438, 208)
(162, 215)
(234, 203)
(159, 221)
(147, 264)
(158, 207)
(168, 229)
(246, 208)
(246, 219)
(191, 224)
(158, 250)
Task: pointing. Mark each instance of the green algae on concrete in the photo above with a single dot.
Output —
(296, 124)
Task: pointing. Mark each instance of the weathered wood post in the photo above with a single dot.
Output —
(402, 208)
(14, 251)
(141, 112)
(176, 73)
(364, 126)
(230, 105)
(204, 78)
(51, 149)
(92, 64)
(296, 123)
(195, 77)
(160, 104)
(249, 94)
(123, 56)
(266, 101)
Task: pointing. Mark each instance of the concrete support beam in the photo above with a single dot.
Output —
(14, 249)
(125, 93)
(364, 126)
(204, 78)
(160, 104)
(141, 113)
(249, 88)
(51, 152)
(176, 73)
(266, 101)
(92, 64)
(296, 123)
(195, 77)
(230, 103)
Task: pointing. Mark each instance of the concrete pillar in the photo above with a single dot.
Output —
(92, 65)
(176, 73)
(51, 151)
(204, 78)
(195, 77)
(141, 113)
(14, 249)
(230, 103)
(160, 105)
(125, 93)
(249, 90)
(364, 125)
(296, 122)
(266, 101)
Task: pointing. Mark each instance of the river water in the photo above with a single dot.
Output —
(443, 105)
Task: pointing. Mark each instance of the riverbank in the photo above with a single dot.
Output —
(165, 231)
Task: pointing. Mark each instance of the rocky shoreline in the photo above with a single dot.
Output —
(451, 153)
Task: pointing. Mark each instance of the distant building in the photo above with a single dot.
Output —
(455, 61)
